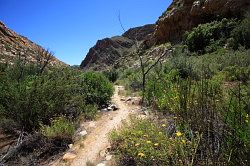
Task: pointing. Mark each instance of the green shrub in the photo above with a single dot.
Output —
(241, 34)
(36, 99)
(60, 129)
(97, 88)
(32, 98)
(111, 75)
(206, 34)
(90, 111)
(235, 73)
(142, 142)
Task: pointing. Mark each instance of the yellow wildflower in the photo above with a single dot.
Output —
(141, 154)
(246, 121)
(156, 144)
(145, 135)
(183, 141)
(175, 117)
(163, 125)
(149, 142)
(178, 134)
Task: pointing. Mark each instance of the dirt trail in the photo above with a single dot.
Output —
(97, 140)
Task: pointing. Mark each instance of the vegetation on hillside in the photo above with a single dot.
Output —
(200, 94)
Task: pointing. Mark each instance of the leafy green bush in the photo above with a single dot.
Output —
(90, 111)
(32, 98)
(111, 75)
(241, 34)
(206, 34)
(142, 142)
(235, 73)
(60, 129)
(36, 99)
(97, 88)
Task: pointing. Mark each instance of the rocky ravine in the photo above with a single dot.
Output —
(13, 45)
(107, 52)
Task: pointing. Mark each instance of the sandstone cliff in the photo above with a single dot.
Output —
(13, 45)
(183, 15)
(109, 51)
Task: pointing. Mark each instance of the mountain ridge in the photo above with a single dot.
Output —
(13, 45)
(107, 52)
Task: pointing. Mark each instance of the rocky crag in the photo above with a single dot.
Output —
(181, 16)
(13, 46)
(108, 52)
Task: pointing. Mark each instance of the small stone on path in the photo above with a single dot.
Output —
(108, 157)
(100, 164)
(69, 156)
(83, 133)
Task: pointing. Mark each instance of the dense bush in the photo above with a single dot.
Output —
(111, 75)
(206, 94)
(31, 98)
(235, 73)
(96, 88)
(60, 129)
(205, 106)
(206, 34)
(241, 34)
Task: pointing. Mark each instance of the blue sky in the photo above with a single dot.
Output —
(70, 28)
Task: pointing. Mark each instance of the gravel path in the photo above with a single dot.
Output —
(97, 140)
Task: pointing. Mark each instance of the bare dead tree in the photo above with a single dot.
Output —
(144, 67)
(43, 58)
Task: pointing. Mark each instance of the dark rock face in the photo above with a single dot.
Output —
(183, 15)
(107, 52)
(140, 33)
(13, 45)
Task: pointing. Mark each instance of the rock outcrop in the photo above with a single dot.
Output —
(183, 15)
(109, 51)
(140, 33)
(13, 45)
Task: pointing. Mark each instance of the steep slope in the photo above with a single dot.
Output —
(13, 45)
(183, 15)
(107, 52)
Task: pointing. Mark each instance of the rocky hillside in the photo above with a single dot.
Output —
(13, 45)
(108, 52)
(183, 15)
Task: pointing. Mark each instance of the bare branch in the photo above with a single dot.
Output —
(119, 17)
